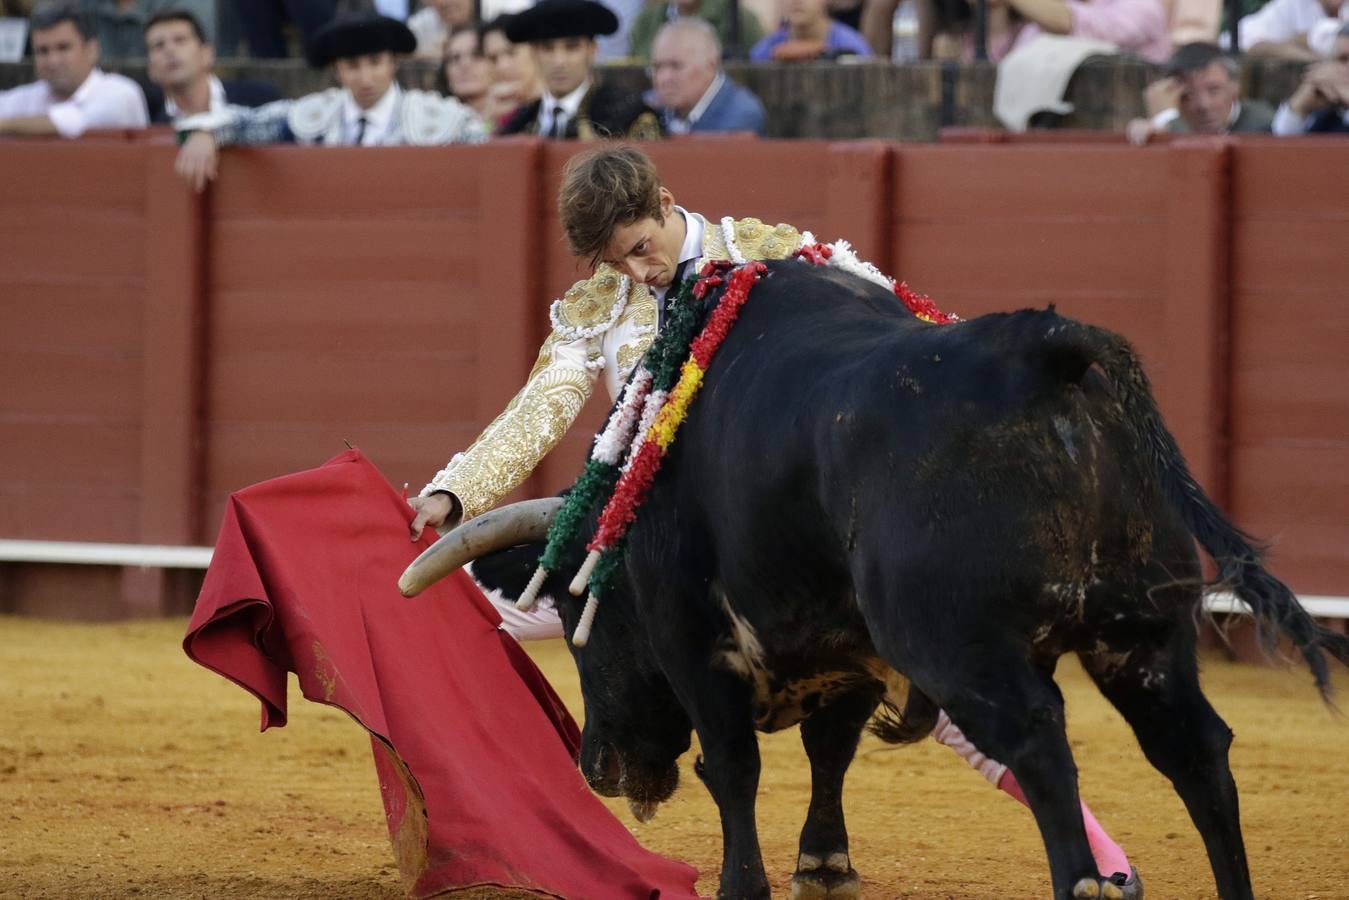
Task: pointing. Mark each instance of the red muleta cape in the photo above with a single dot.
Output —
(475, 752)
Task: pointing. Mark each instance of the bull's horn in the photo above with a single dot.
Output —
(519, 523)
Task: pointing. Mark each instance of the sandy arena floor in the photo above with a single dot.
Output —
(127, 771)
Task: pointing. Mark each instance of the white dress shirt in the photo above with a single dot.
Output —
(378, 118)
(218, 105)
(570, 104)
(104, 101)
(689, 252)
(1283, 20)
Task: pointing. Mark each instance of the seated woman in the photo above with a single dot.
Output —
(466, 73)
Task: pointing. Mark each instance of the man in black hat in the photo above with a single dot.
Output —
(575, 104)
(369, 109)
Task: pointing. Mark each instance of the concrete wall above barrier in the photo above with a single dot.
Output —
(162, 349)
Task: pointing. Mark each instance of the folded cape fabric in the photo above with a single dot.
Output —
(474, 751)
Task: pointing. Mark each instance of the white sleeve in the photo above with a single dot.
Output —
(1275, 21)
(118, 105)
(1288, 124)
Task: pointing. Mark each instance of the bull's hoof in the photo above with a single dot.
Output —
(832, 878)
(1116, 887)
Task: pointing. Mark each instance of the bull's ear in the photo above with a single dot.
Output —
(509, 570)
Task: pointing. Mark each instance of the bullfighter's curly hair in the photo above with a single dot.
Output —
(604, 190)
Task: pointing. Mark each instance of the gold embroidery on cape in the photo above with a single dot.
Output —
(760, 241)
(591, 302)
(510, 448)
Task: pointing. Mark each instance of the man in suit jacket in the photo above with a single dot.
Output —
(179, 63)
(1320, 105)
(575, 103)
(691, 91)
(1200, 94)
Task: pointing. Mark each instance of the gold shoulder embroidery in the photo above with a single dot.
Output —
(588, 304)
(760, 241)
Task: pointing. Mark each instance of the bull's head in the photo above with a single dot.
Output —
(635, 728)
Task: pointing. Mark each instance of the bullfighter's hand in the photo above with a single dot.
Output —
(433, 510)
(197, 160)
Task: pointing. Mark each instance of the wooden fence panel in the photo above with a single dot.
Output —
(1290, 355)
(376, 299)
(72, 279)
(1087, 228)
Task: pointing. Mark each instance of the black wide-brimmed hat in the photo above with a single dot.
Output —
(551, 19)
(357, 35)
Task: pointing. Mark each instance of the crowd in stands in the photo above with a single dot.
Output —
(521, 67)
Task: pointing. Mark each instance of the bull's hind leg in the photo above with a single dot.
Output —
(1155, 686)
(1016, 716)
(830, 736)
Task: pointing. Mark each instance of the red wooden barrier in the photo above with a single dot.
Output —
(160, 350)
(1290, 355)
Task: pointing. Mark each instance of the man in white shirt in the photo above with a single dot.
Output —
(369, 110)
(71, 94)
(1293, 29)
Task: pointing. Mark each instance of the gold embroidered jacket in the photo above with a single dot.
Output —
(593, 329)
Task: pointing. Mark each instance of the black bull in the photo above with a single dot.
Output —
(858, 496)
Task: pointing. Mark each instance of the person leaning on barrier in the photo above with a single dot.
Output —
(368, 110)
(1200, 94)
(575, 104)
(72, 94)
(1320, 105)
(691, 90)
(179, 62)
(620, 219)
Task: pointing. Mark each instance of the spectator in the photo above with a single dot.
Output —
(717, 13)
(1200, 94)
(575, 104)
(691, 90)
(946, 29)
(1135, 26)
(808, 33)
(120, 24)
(466, 75)
(515, 76)
(1193, 21)
(1293, 29)
(1320, 105)
(433, 23)
(262, 21)
(179, 61)
(71, 94)
(370, 109)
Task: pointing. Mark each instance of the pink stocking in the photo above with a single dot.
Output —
(1109, 856)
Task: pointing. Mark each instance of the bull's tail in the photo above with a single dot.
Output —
(1073, 348)
(913, 723)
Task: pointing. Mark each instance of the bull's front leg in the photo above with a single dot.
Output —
(830, 736)
(729, 766)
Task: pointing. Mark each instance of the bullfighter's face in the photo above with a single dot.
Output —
(564, 63)
(367, 77)
(647, 250)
